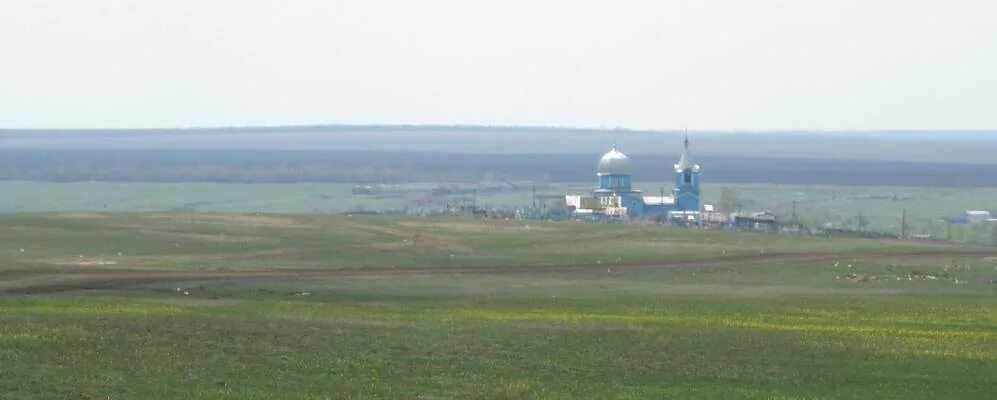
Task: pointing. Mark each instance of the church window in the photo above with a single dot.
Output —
(687, 178)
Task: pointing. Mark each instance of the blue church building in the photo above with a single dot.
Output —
(616, 197)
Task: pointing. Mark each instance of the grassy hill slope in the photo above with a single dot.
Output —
(642, 312)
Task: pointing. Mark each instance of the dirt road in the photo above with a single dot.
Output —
(53, 280)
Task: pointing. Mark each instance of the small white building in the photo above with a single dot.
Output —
(976, 216)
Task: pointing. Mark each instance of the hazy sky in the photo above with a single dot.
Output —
(722, 64)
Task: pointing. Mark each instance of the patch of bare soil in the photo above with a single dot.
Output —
(473, 227)
(419, 242)
(85, 263)
(861, 278)
(238, 219)
(245, 255)
(83, 216)
(215, 238)
(407, 240)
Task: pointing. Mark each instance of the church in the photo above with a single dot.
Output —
(616, 198)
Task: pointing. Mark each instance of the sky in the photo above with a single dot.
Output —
(705, 64)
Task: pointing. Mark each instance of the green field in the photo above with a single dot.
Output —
(319, 306)
(213, 241)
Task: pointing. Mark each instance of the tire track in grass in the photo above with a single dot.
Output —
(55, 280)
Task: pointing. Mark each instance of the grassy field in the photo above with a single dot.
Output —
(213, 241)
(603, 311)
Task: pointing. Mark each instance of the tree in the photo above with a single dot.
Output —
(728, 200)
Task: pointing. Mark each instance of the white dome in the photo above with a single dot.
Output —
(614, 162)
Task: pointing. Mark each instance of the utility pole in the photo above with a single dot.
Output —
(534, 196)
(795, 220)
(474, 201)
(903, 224)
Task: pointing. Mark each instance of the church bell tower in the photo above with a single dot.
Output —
(686, 182)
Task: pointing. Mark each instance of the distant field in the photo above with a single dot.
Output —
(27, 196)
(260, 306)
(224, 197)
(880, 206)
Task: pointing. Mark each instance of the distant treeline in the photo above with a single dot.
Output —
(394, 167)
(918, 146)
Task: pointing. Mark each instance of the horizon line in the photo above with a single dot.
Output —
(495, 128)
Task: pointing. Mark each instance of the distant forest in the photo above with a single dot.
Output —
(928, 146)
(246, 166)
